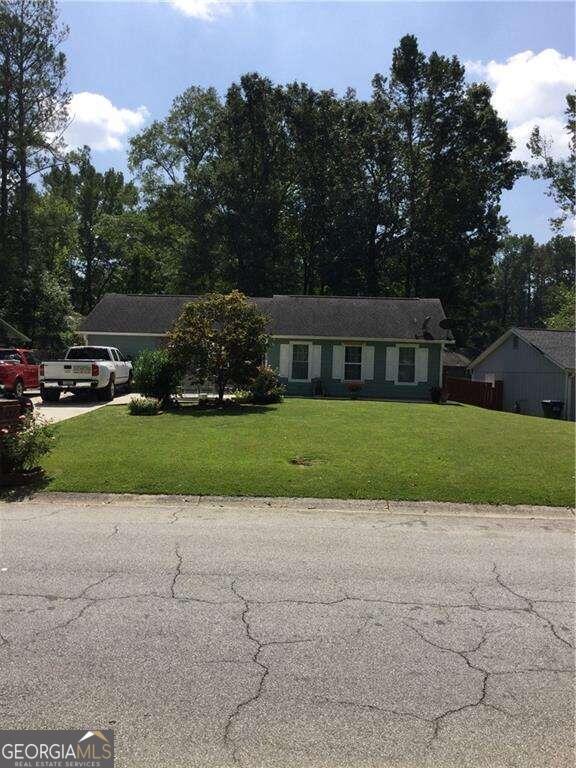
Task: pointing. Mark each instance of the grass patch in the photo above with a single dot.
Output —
(320, 448)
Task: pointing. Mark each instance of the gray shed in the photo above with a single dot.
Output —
(534, 365)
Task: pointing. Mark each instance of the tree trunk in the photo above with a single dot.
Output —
(221, 388)
(4, 150)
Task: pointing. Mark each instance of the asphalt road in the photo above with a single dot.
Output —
(218, 636)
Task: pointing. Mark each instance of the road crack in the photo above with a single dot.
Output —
(529, 606)
(263, 668)
(177, 573)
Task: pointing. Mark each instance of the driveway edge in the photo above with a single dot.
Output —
(420, 508)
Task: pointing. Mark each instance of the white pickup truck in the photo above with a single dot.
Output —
(99, 369)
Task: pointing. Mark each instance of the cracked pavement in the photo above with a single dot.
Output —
(219, 635)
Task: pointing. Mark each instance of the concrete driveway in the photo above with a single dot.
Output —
(212, 634)
(70, 405)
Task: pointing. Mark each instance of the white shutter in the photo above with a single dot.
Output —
(421, 364)
(285, 361)
(316, 361)
(338, 362)
(367, 363)
(391, 363)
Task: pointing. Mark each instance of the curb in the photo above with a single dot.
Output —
(420, 508)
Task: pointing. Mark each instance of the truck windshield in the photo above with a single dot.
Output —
(9, 354)
(88, 353)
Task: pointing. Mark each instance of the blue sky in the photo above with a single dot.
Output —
(128, 60)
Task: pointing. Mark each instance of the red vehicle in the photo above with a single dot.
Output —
(18, 371)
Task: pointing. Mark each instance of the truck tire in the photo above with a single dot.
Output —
(49, 395)
(18, 390)
(108, 392)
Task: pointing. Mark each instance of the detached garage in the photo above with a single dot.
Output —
(534, 365)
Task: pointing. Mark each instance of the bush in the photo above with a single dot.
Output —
(266, 387)
(143, 406)
(157, 375)
(21, 449)
(241, 396)
(437, 395)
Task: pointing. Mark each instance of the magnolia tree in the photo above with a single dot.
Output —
(220, 338)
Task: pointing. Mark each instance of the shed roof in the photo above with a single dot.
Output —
(343, 317)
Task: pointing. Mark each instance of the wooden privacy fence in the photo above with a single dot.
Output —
(481, 393)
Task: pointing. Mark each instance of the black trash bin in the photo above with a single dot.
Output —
(552, 408)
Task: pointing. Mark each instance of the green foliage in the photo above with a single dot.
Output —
(105, 242)
(265, 387)
(157, 375)
(288, 190)
(21, 450)
(564, 303)
(33, 113)
(220, 339)
(268, 189)
(531, 281)
(559, 173)
(143, 406)
(241, 395)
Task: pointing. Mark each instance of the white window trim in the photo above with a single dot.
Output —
(406, 383)
(350, 344)
(308, 344)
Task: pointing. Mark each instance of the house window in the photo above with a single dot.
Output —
(406, 364)
(352, 363)
(300, 359)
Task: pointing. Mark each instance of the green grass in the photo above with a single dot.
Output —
(341, 449)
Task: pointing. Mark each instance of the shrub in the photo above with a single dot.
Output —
(157, 375)
(143, 406)
(266, 387)
(437, 395)
(21, 449)
(241, 396)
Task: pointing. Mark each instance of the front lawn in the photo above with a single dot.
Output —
(321, 448)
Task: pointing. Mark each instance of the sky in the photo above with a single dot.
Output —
(127, 60)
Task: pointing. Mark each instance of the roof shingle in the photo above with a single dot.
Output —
(341, 317)
(557, 345)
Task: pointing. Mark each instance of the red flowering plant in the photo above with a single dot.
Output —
(353, 388)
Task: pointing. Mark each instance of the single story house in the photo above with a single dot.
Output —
(534, 365)
(392, 347)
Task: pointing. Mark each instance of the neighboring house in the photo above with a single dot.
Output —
(392, 346)
(11, 337)
(534, 365)
(455, 365)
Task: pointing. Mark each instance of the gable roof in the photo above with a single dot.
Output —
(558, 346)
(9, 332)
(453, 359)
(341, 317)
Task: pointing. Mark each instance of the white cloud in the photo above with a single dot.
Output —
(207, 10)
(530, 89)
(97, 122)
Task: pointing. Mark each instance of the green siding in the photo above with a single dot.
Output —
(379, 387)
(130, 346)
